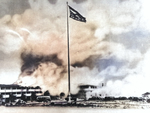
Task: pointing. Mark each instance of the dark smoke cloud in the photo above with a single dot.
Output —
(90, 62)
(53, 1)
(13, 7)
(30, 59)
(79, 1)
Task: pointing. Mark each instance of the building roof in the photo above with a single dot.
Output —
(17, 86)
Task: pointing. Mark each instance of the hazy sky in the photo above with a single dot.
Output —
(113, 46)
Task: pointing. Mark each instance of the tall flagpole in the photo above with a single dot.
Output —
(69, 93)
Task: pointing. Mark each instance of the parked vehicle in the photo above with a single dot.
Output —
(45, 99)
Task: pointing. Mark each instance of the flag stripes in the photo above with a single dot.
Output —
(76, 15)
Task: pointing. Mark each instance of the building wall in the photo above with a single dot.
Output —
(9, 93)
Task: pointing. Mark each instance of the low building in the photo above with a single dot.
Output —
(9, 93)
(89, 91)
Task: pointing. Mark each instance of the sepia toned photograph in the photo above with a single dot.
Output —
(74, 56)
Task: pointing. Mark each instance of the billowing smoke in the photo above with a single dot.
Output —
(103, 50)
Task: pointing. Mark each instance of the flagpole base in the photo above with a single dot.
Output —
(69, 99)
